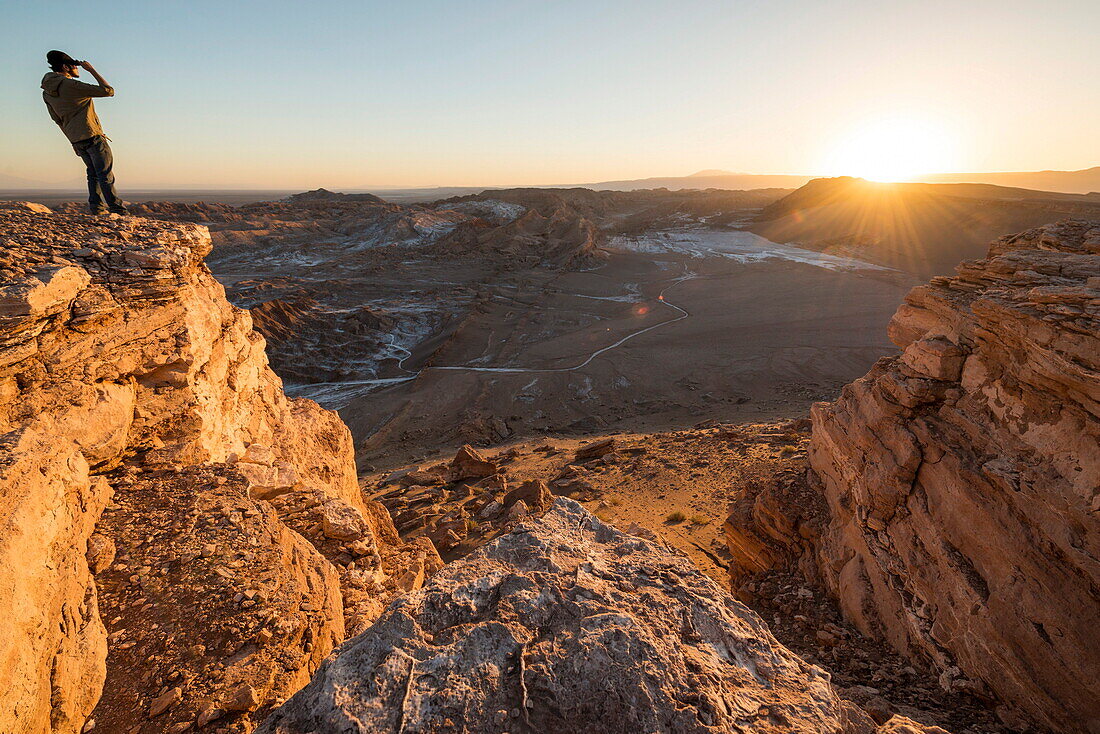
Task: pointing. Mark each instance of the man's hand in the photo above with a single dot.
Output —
(86, 66)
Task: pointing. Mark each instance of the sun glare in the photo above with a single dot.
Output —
(893, 149)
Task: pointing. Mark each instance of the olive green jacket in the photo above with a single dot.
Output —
(70, 104)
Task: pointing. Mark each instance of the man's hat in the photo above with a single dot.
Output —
(57, 58)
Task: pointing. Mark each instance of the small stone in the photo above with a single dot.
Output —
(165, 701)
(594, 450)
(244, 698)
(534, 494)
(516, 511)
(101, 552)
(209, 713)
(491, 510)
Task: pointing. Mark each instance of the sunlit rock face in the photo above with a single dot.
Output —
(122, 365)
(963, 477)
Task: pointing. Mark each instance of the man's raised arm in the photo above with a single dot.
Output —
(103, 90)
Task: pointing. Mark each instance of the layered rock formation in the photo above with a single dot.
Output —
(567, 624)
(963, 478)
(124, 369)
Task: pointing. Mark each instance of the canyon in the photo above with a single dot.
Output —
(571, 484)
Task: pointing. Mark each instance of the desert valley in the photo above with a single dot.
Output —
(814, 459)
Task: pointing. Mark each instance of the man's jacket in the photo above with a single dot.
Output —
(70, 104)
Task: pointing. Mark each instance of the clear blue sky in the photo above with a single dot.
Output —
(467, 92)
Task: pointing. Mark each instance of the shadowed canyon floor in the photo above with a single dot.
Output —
(641, 342)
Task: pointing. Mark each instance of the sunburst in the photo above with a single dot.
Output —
(893, 148)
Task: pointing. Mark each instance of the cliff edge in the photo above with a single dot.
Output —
(963, 477)
(172, 522)
(958, 483)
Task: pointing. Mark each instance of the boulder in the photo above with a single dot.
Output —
(341, 521)
(468, 463)
(101, 552)
(533, 493)
(566, 624)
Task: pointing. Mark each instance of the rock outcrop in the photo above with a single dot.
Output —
(462, 504)
(963, 478)
(566, 624)
(123, 366)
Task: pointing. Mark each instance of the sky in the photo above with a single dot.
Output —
(296, 95)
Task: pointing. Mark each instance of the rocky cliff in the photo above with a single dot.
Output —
(963, 478)
(144, 439)
(567, 624)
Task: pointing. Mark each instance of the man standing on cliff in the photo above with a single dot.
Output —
(70, 106)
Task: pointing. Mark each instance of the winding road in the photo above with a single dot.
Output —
(699, 246)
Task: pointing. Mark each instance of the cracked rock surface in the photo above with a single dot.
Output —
(567, 624)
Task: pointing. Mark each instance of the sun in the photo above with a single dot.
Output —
(892, 149)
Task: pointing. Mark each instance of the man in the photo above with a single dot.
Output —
(70, 106)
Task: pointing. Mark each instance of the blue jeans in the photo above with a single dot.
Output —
(96, 155)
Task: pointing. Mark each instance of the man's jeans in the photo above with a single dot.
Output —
(96, 155)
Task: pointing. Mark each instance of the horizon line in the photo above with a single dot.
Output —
(74, 186)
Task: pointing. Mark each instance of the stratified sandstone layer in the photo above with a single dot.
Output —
(963, 478)
(566, 624)
(121, 363)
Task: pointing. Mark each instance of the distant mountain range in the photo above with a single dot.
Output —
(1068, 182)
(711, 179)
